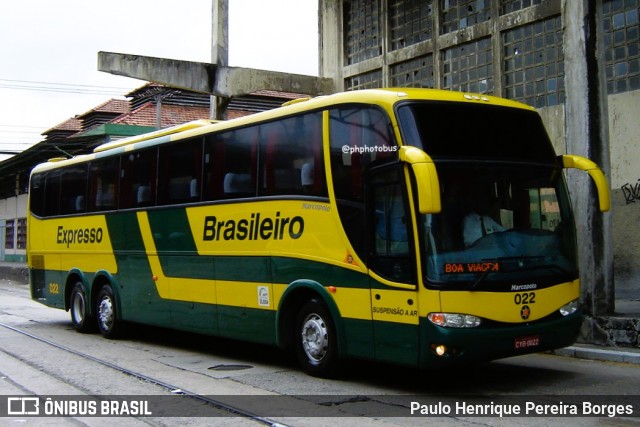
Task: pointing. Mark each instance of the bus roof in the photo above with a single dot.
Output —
(386, 97)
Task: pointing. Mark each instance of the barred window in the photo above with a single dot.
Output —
(21, 236)
(458, 14)
(534, 63)
(621, 43)
(362, 30)
(411, 21)
(509, 6)
(468, 67)
(370, 80)
(416, 72)
(9, 232)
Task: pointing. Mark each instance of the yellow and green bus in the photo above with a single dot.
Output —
(413, 226)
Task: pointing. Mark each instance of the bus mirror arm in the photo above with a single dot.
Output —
(584, 164)
(428, 186)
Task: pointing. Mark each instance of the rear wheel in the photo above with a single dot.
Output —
(79, 309)
(316, 343)
(106, 313)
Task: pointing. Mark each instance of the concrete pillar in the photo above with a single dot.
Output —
(219, 49)
(587, 134)
(330, 47)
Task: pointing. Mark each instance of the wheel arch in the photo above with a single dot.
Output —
(74, 276)
(293, 298)
(102, 278)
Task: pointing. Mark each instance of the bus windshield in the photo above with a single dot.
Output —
(506, 217)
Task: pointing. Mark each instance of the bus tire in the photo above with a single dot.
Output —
(315, 341)
(79, 308)
(106, 314)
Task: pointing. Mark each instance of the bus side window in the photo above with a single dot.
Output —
(138, 179)
(52, 193)
(180, 171)
(389, 226)
(103, 184)
(312, 171)
(291, 157)
(73, 190)
(359, 137)
(36, 194)
(239, 163)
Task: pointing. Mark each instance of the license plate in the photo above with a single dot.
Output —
(526, 342)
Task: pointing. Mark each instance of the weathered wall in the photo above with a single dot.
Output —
(624, 130)
(624, 139)
(624, 134)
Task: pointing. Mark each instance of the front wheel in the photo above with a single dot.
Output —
(79, 309)
(106, 314)
(316, 343)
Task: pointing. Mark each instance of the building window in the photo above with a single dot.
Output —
(21, 237)
(410, 22)
(468, 67)
(534, 63)
(416, 72)
(621, 43)
(459, 14)
(368, 80)
(362, 30)
(509, 6)
(9, 229)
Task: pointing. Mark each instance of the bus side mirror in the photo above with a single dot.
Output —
(584, 164)
(427, 183)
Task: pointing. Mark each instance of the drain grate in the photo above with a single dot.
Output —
(226, 367)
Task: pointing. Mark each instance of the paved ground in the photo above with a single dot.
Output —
(628, 308)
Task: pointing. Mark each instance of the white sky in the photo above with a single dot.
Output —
(49, 45)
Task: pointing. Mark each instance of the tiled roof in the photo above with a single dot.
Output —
(73, 125)
(116, 106)
(171, 115)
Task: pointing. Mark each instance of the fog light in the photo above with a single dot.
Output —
(440, 349)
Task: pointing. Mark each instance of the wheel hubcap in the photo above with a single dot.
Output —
(315, 337)
(105, 313)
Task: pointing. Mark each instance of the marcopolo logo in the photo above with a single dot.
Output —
(255, 227)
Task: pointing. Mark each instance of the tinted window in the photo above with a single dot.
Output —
(359, 137)
(103, 184)
(52, 193)
(283, 157)
(180, 172)
(230, 164)
(73, 192)
(138, 179)
(291, 157)
(36, 194)
(461, 130)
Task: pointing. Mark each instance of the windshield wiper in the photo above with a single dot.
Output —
(481, 277)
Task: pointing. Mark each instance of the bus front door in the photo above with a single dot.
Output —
(392, 267)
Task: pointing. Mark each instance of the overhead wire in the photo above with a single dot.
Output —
(40, 86)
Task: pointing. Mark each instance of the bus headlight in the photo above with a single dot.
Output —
(454, 320)
(569, 308)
